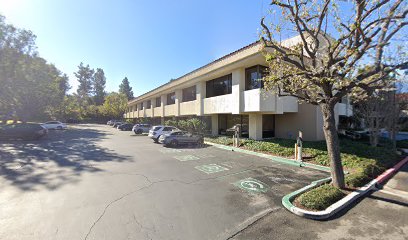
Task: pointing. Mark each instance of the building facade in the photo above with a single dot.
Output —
(227, 92)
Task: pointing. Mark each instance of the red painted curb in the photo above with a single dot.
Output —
(385, 175)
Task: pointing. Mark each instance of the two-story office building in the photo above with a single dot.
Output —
(228, 91)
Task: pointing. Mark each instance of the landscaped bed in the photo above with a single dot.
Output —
(362, 161)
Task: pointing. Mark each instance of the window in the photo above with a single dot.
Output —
(254, 76)
(167, 129)
(141, 106)
(171, 98)
(219, 86)
(158, 101)
(149, 104)
(189, 94)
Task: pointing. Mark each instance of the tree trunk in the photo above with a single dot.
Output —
(333, 147)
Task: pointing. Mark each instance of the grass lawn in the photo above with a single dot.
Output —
(362, 161)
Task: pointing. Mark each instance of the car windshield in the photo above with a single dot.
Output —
(156, 128)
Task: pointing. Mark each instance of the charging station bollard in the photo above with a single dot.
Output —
(299, 146)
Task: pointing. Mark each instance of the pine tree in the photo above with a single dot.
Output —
(85, 78)
(99, 82)
(126, 89)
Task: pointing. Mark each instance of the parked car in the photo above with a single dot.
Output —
(141, 128)
(26, 131)
(125, 127)
(116, 124)
(54, 125)
(177, 138)
(156, 131)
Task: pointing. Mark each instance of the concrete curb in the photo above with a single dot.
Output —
(273, 158)
(341, 204)
(387, 174)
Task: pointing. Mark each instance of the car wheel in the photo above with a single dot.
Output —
(59, 128)
(157, 139)
(139, 131)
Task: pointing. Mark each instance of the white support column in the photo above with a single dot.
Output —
(152, 106)
(214, 124)
(144, 109)
(238, 85)
(200, 95)
(178, 100)
(163, 103)
(255, 126)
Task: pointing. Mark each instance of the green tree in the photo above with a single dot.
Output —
(115, 105)
(84, 76)
(322, 69)
(99, 82)
(126, 89)
(30, 87)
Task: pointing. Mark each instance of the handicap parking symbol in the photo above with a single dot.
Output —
(252, 185)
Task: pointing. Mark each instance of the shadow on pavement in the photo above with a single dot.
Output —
(55, 160)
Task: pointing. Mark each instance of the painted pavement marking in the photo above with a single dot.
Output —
(204, 155)
(186, 158)
(252, 185)
(211, 168)
(170, 150)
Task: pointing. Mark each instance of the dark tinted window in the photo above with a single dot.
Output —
(149, 104)
(141, 106)
(189, 94)
(168, 129)
(158, 101)
(254, 76)
(171, 98)
(156, 128)
(219, 86)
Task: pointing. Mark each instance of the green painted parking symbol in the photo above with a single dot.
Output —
(211, 168)
(186, 158)
(252, 185)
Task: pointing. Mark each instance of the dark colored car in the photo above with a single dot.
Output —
(117, 124)
(125, 127)
(26, 131)
(175, 139)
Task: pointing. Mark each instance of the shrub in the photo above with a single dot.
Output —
(357, 179)
(321, 197)
(402, 144)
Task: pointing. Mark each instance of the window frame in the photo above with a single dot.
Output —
(185, 94)
(158, 100)
(260, 70)
(211, 90)
(169, 97)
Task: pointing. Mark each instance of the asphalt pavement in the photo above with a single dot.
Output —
(95, 182)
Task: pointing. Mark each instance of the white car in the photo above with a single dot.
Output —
(54, 125)
(156, 131)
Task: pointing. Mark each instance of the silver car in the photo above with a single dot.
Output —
(177, 138)
(141, 128)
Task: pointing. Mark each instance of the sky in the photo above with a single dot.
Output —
(149, 42)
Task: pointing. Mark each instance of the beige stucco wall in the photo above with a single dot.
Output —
(308, 120)
(188, 108)
(219, 104)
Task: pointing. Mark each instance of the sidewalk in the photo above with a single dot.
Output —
(398, 185)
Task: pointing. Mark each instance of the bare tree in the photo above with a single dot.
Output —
(336, 39)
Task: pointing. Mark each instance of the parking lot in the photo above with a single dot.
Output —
(95, 182)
